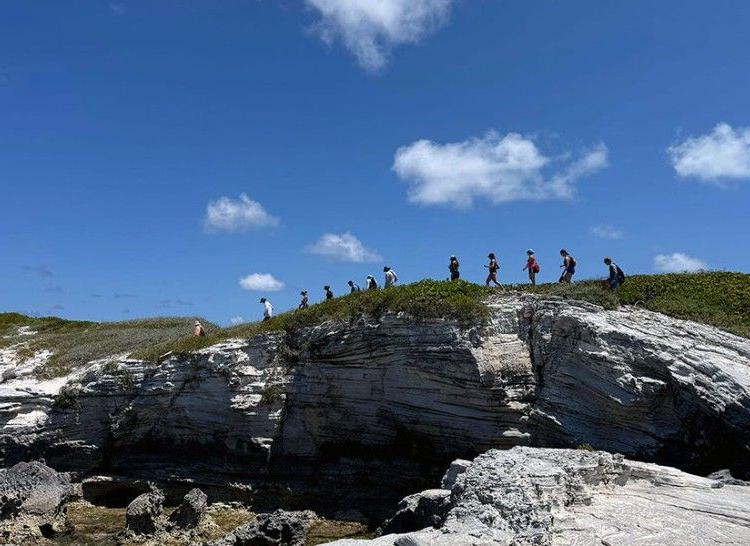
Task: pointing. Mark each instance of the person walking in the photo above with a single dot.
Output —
(532, 265)
(453, 268)
(199, 331)
(372, 284)
(305, 301)
(353, 287)
(329, 293)
(616, 275)
(267, 309)
(390, 277)
(568, 266)
(494, 267)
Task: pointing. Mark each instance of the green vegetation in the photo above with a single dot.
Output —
(74, 343)
(718, 298)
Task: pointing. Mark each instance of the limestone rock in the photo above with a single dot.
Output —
(32, 489)
(280, 528)
(566, 497)
(144, 514)
(425, 509)
(190, 512)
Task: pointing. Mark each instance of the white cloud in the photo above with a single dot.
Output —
(117, 8)
(677, 263)
(261, 282)
(497, 168)
(371, 28)
(234, 321)
(343, 248)
(225, 214)
(606, 232)
(722, 154)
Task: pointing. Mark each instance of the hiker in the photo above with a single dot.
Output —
(453, 268)
(353, 287)
(568, 265)
(390, 277)
(329, 293)
(267, 309)
(199, 331)
(532, 265)
(372, 284)
(305, 302)
(493, 266)
(616, 275)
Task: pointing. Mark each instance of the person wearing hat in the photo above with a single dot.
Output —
(267, 309)
(304, 303)
(353, 287)
(532, 265)
(199, 331)
(329, 293)
(390, 277)
(453, 268)
(493, 266)
(372, 284)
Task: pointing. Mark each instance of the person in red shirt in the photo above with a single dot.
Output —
(532, 265)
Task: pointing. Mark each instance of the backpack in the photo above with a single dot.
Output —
(535, 268)
(572, 262)
(620, 274)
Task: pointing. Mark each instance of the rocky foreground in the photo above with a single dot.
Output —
(348, 417)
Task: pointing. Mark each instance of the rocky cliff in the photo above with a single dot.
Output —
(355, 414)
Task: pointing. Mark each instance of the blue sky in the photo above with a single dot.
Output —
(360, 136)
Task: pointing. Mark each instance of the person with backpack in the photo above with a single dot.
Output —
(372, 284)
(390, 277)
(267, 309)
(329, 292)
(494, 267)
(453, 268)
(569, 267)
(532, 265)
(199, 331)
(305, 302)
(616, 275)
(354, 287)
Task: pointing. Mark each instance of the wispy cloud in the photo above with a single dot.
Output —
(261, 282)
(234, 321)
(56, 289)
(38, 270)
(343, 248)
(123, 296)
(118, 8)
(717, 157)
(58, 307)
(226, 214)
(678, 262)
(172, 303)
(496, 168)
(371, 29)
(606, 232)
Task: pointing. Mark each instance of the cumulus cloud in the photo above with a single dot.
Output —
(234, 321)
(497, 168)
(606, 232)
(226, 214)
(723, 154)
(370, 29)
(263, 282)
(343, 248)
(677, 262)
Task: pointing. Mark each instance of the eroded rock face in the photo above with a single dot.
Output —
(277, 529)
(369, 410)
(191, 510)
(144, 514)
(565, 497)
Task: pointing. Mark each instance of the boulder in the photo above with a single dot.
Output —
(280, 528)
(32, 489)
(143, 515)
(190, 512)
(425, 509)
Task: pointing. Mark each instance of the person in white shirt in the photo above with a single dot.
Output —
(267, 308)
(390, 276)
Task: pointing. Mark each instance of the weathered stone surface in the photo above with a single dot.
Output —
(191, 510)
(572, 497)
(348, 409)
(277, 529)
(144, 514)
(425, 509)
(32, 489)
